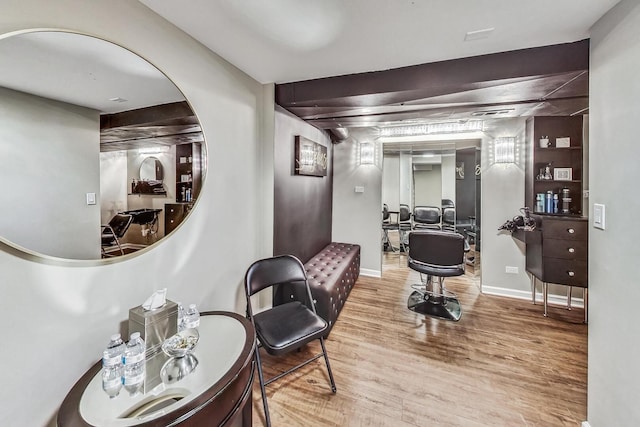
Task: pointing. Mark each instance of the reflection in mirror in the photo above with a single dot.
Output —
(151, 169)
(80, 120)
(439, 176)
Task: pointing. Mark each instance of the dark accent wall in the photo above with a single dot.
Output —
(466, 188)
(302, 204)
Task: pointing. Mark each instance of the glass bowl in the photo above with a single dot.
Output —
(181, 344)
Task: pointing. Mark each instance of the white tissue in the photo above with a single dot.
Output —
(156, 300)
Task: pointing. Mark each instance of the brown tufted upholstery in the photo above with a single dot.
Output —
(331, 274)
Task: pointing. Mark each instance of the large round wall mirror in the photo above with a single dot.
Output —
(100, 153)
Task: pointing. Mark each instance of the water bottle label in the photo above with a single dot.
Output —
(135, 358)
(135, 379)
(111, 361)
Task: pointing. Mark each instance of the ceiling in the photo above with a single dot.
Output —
(343, 65)
(290, 40)
(139, 106)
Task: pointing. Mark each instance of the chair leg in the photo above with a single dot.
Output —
(262, 389)
(326, 360)
(119, 247)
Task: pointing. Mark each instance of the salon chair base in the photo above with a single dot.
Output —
(441, 307)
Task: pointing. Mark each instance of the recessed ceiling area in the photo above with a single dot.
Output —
(544, 81)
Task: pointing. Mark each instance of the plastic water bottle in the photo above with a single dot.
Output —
(134, 360)
(182, 317)
(193, 318)
(112, 369)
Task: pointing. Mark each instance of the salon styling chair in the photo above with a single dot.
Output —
(404, 226)
(426, 217)
(114, 231)
(436, 255)
(388, 225)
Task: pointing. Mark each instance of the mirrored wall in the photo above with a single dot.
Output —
(442, 176)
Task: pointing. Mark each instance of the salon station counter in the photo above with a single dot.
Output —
(212, 386)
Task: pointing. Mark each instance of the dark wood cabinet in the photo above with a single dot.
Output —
(557, 252)
(174, 214)
(560, 160)
(188, 171)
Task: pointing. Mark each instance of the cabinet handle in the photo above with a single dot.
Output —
(571, 250)
(571, 273)
(571, 230)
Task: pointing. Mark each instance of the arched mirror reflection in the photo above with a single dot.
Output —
(100, 152)
(151, 169)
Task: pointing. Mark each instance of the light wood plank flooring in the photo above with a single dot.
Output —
(502, 364)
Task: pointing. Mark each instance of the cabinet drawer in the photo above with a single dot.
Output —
(565, 249)
(565, 272)
(562, 229)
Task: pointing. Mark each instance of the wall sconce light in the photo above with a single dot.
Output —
(366, 153)
(504, 150)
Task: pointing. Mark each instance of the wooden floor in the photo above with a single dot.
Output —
(502, 364)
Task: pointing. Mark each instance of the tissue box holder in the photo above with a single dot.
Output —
(155, 326)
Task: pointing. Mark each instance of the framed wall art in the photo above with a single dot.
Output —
(563, 174)
(310, 157)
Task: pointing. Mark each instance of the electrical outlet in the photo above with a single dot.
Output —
(511, 270)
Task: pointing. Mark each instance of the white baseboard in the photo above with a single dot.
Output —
(526, 295)
(585, 424)
(370, 273)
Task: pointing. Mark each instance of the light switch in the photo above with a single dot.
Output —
(91, 198)
(598, 216)
(359, 189)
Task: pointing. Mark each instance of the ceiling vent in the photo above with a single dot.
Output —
(490, 113)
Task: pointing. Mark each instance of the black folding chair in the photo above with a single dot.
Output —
(285, 327)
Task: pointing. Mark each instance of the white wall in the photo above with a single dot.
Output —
(405, 188)
(390, 182)
(357, 216)
(502, 197)
(614, 293)
(49, 161)
(113, 184)
(428, 186)
(448, 171)
(58, 317)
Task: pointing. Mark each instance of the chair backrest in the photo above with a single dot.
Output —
(426, 214)
(385, 213)
(273, 271)
(449, 216)
(120, 223)
(437, 248)
(405, 213)
(447, 203)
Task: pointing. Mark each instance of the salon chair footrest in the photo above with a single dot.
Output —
(443, 308)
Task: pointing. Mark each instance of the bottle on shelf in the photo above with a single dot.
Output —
(134, 364)
(548, 207)
(193, 317)
(182, 317)
(112, 369)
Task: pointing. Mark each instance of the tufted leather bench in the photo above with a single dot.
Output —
(332, 272)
